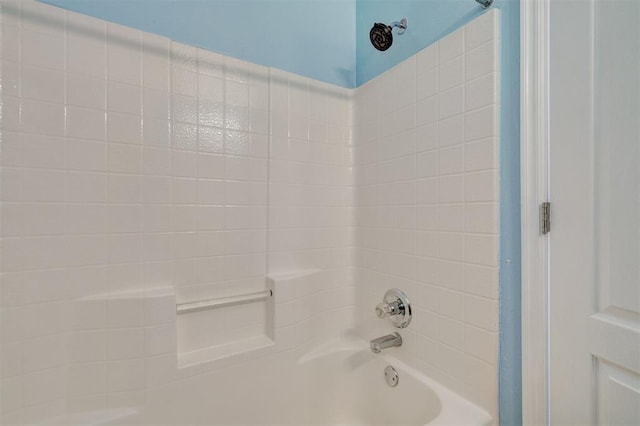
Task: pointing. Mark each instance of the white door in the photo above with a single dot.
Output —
(595, 212)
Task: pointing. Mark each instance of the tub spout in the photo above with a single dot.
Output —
(384, 342)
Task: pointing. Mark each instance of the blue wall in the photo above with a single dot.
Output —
(318, 39)
(315, 38)
(510, 248)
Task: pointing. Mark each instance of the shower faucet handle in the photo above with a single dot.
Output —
(385, 310)
(395, 307)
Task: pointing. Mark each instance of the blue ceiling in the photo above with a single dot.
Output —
(314, 38)
(326, 40)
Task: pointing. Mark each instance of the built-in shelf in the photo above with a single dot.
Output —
(224, 327)
(223, 351)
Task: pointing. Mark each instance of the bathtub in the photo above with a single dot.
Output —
(337, 383)
(416, 400)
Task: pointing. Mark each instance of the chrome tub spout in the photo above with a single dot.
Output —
(384, 342)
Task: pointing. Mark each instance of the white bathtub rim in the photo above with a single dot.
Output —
(455, 409)
(94, 418)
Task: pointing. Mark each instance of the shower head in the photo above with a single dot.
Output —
(381, 35)
(485, 3)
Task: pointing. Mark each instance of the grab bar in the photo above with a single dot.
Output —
(183, 308)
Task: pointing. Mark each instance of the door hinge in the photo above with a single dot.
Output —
(545, 218)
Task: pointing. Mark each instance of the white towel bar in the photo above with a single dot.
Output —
(183, 308)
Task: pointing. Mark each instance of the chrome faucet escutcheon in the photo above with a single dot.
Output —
(395, 307)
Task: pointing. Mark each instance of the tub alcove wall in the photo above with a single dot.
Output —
(139, 173)
(427, 194)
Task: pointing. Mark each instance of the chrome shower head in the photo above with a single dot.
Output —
(381, 35)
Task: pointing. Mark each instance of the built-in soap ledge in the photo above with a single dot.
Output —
(128, 308)
(225, 328)
(252, 345)
(164, 292)
(290, 285)
(251, 324)
(310, 305)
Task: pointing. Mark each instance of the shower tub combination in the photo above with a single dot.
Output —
(309, 374)
(307, 366)
(339, 382)
(306, 376)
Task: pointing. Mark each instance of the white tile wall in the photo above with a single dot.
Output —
(310, 213)
(219, 191)
(310, 179)
(131, 163)
(137, 172)
(427, 205)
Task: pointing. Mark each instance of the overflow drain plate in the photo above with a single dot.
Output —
(391, 376)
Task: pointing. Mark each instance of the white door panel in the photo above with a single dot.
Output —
(618, 391)
(595, 196)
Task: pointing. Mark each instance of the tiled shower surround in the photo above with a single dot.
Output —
(138, 173)
(427, 191)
